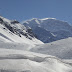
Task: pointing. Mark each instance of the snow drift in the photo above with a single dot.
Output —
(24, 61)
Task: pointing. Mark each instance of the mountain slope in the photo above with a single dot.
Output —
(13, 31)
(61, 48)
(18, 46)
(24, 61)
(57, 29)
(43, 34)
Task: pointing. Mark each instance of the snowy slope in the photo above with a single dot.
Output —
(61, 48)
(20, 51)
(55, 28)
(13, 31)
(24, 61)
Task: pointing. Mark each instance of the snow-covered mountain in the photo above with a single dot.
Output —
(20, 51)
(13, 31)
(49, 29)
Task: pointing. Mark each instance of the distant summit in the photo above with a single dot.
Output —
(49, 29)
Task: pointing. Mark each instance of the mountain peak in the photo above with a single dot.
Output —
(49, 29)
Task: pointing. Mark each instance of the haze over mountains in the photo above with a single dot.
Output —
(37, 45)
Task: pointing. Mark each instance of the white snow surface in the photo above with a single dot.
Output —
(61, 48)
(25, 61)
(7, 36)
(47, 18)
(20, 54)
(10, 37)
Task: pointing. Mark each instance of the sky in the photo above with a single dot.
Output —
(27, 9)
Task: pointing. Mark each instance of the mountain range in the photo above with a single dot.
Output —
(49, 29)
(36, 45)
